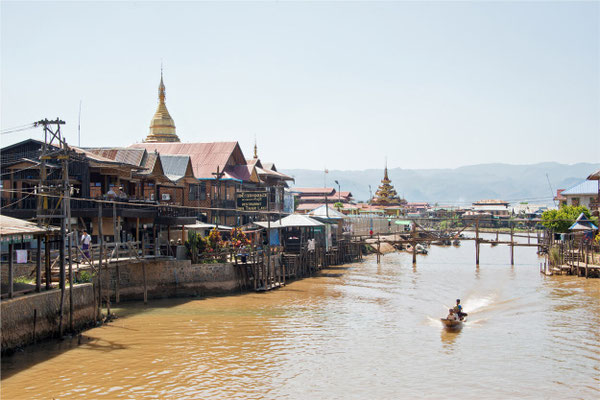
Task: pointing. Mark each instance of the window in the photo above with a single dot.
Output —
(197, 192)
(575, 201)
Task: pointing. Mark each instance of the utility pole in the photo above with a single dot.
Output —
(55, 148)
(218, 175)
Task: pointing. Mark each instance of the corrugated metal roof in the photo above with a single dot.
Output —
(290, 221)
(239, 172)
(313, 191)
(585, 187)
(14, 226)
(322, 212)
(205, 157)
(273, 174)
(92, 156)
(174, 166)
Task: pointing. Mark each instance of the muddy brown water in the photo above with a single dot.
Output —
(359, 331)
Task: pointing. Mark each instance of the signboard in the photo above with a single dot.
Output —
(252, 201)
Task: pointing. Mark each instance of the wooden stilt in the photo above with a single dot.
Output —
(71, 326)
(100, 260)
(10, 270)
(477, 242)
(512, 245)
(117, 283)
(38, 266)
(414, 243)
(145, 283)
(47, 263)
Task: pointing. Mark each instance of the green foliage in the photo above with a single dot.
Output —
(24, 279)
(85, 277)
(560, 220)
(296, 202)
(195, 245)
(554, 256)
(339, 205)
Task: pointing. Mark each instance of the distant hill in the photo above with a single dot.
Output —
(462, 185)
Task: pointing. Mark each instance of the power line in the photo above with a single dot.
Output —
(17, 129)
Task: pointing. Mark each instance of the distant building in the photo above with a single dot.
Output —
(582, 194)
(309, 199)
(386, 194)
(496, 208)
(562, 200)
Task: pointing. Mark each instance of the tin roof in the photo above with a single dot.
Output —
(13, 226)
(205, 157)
(585, 187)
(174, 167)
(294, 220)
(239, 172)
(583, 224)
(120, 154)
(314, 191)
(322, 212)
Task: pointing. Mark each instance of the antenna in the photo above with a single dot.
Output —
(551, 190)
(79, 127)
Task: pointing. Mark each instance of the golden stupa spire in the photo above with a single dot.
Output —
(385, 174)
(162, 126)
(255, 149)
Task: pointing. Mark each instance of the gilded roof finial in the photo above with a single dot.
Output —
(385, 176)
(161, 86)
(162, 126)
(255, 148)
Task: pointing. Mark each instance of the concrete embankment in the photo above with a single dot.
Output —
(170, 278)
(42, 310)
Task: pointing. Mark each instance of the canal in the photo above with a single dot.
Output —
(354, 331)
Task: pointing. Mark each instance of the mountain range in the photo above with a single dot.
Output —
(534, 183)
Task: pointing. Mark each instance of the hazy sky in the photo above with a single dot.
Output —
(341, 85)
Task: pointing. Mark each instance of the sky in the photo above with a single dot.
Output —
(337, 85)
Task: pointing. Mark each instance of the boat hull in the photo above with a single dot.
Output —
(448, 323)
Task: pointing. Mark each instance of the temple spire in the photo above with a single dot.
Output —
(385, 174)
(386, 195)
(162, 126)
(255, 149)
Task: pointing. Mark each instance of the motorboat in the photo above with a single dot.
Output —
(452, 323)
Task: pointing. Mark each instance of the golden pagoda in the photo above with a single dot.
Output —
(386, 194)
(162, 126)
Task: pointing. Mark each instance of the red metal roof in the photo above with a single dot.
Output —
(314, 191)
(239, 172)
(205, 157)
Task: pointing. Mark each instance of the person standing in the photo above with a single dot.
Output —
(86, 239)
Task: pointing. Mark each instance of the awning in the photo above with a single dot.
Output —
(291, 221)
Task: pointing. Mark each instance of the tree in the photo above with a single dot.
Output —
(560, 220)
(339, 205)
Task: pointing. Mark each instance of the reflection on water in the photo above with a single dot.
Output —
(359, 331)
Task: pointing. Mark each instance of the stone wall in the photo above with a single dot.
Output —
(18, 315)
(18, 270)
(170, 278)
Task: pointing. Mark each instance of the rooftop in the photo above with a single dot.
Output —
(585, 187)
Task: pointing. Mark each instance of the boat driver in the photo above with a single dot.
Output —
(458, 310)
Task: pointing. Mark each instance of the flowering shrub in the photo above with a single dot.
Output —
(238, 238)
(214, 241)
